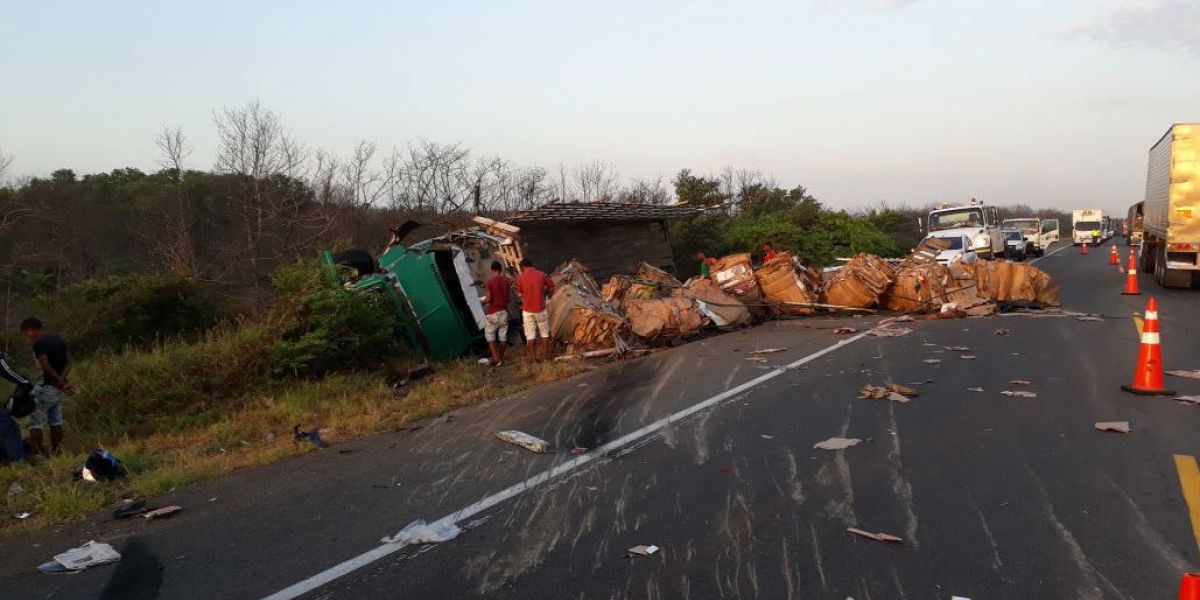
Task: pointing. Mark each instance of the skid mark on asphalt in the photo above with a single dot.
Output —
(997, 563)
(836, 475)
(900, 484)
(818, 560)
(1189, 485)
(1149, 534)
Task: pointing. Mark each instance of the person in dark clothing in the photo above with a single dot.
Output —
(54, 360)
(10, 433)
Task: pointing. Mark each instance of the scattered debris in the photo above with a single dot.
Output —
(905, 390)
(932, 361)
(1088, 318)
(313, 437)
(1019, 394)
(845, 330)
(756, 359)
(975, 389)
(904, 319)
(577, 450)
(643, 550)
(894, 392)
(91, 554)
(485, 361)
(836, 443)
(768, 351)
(766, 437)
(420, 532)
(957, 348)
(1188, 374)
(1188, 399)
(160, 513)
(889, 331)
(129, 508)
(23, 515)
(1116, 426)
(100, 465)
(525, 441)
(967, 356)
(928, 344)
(881, 537)
(1020, 382)
(1003, 331)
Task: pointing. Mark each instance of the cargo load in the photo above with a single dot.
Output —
(579, 316)
(860, 283)
(1005, 281)
(918, 287)
(791, 290)
(720, 308)
(664, 317)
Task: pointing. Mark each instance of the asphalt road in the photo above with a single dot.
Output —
(709, 456)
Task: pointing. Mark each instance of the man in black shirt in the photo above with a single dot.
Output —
(54, 360)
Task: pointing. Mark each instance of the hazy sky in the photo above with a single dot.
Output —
(1051, 103)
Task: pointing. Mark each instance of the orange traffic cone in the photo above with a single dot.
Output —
(1189, 588)
(1148, 373)
(1112, 257)
(1131, 285)
(1083, 248)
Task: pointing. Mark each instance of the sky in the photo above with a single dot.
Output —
(1045, 102)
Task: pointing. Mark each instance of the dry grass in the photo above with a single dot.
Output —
(249, 430)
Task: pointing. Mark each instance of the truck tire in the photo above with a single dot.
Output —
(1147, 258)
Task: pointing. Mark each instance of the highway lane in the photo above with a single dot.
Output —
(995, 496)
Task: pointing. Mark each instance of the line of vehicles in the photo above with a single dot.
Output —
(1165, 225)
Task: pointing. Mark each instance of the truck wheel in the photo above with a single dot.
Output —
(1147, 258)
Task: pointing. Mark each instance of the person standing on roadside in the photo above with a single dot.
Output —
(10, 433)
(54, 360)
(768, 252)
(534, 287)
(706, 263)
(497, 291)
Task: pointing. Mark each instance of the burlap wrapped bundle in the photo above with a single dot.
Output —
(860, 283)
(789, 289)
(721, 308)
(663, 317)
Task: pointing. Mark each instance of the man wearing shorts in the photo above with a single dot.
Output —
(54, 360)
(534, 287)
(497, 290)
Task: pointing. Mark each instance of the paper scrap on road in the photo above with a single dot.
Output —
(1003, 331)
(525, 441)
(1117, 426)
(928, 344)
(1088, 318)
(894, 392)
(1021, 382)
(889, 332)
(845, 330)
(975, 389)
(1188, 399)
(90, 554)
(957, 348)
(165, 511)
(932, 361)
(1019, 394)
(881, 537)
(836, 443)
(643, 550)
(420, 532)
(1188, 374)
(967, 356)
(768, 351)
(902, 389)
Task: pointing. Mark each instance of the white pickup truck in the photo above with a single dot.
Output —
(976, 224)
(1039, 234)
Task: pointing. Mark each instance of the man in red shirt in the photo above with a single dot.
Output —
(768, 252)
(497, 291)
(534, 287)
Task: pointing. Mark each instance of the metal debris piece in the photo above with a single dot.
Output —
(525, 441)
(836, 443)
(643, 550)
(1116, 426)
(1188, 374)
(881, 537)
(1019, 394)
(1003, 331)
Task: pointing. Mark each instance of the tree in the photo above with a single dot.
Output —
(698, 191)
(174, 242)
(645, 191)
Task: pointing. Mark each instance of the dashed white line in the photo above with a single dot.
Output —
(346, 567)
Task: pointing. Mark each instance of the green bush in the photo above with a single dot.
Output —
(130, 310)
(323, 328)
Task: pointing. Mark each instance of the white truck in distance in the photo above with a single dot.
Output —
(1038, 233)
(1087, 225)
(977, 225)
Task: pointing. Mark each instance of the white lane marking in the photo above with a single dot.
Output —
(1051, 254)
(342, 569)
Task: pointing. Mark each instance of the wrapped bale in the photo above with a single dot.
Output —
(1006, 281)
(964, 293)
(664, 317)
(860, 283)
(790, 289)
(575, 273)
(734, 274)
(720, 308)
(615, 289)
(918, 288)
(577, 314)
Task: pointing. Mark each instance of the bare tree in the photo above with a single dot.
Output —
(646, 191)
(175, 244)
(5, 162)
(596, 181)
